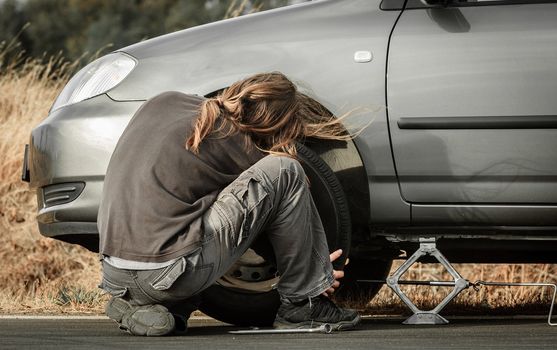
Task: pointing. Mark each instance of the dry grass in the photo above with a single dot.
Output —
(41, 275)
(483, 300)
(38, 274)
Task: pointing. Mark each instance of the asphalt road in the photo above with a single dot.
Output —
(376, 333)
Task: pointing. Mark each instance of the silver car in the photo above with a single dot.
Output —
(460, 98)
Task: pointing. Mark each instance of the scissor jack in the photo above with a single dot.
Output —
(429, 248)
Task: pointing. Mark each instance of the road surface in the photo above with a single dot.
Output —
(374, 333)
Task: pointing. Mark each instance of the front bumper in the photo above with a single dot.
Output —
(67, 160)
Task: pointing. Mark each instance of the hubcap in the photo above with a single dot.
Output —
(251, 273)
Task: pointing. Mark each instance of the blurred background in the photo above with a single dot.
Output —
(74, 28)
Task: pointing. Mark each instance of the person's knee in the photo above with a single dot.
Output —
(282, 167)
(292, 165)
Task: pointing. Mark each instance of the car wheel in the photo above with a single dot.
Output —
(245, 295)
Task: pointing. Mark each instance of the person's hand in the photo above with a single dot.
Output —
(336, 274)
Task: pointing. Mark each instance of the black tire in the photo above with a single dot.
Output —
(258, 309)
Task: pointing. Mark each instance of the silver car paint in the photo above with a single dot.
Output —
(476, 61)
(313, 43)
(74, 144)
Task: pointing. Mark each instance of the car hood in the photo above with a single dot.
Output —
(210, 57)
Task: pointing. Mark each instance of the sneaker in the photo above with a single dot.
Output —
(314, 313)
(149, 320)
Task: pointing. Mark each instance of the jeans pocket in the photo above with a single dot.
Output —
(245, 206)
(112, 288)
(169, 275)
(179, 281)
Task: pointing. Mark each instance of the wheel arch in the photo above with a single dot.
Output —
(345, 161)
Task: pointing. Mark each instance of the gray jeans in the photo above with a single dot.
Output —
(270, 198)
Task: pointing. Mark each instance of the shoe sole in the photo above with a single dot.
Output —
(336, 327)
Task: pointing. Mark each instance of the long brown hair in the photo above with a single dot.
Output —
(269, 109)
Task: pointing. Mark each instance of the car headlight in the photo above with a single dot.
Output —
(95, 79)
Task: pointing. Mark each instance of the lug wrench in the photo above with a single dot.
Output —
(324, 328)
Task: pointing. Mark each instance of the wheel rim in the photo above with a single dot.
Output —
(250, 274)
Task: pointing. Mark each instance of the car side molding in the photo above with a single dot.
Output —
(491, 122)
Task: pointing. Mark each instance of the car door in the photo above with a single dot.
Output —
(472, 106)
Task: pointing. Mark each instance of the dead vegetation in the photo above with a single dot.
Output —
(480, 301)
(42, 275)
(35, 270)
